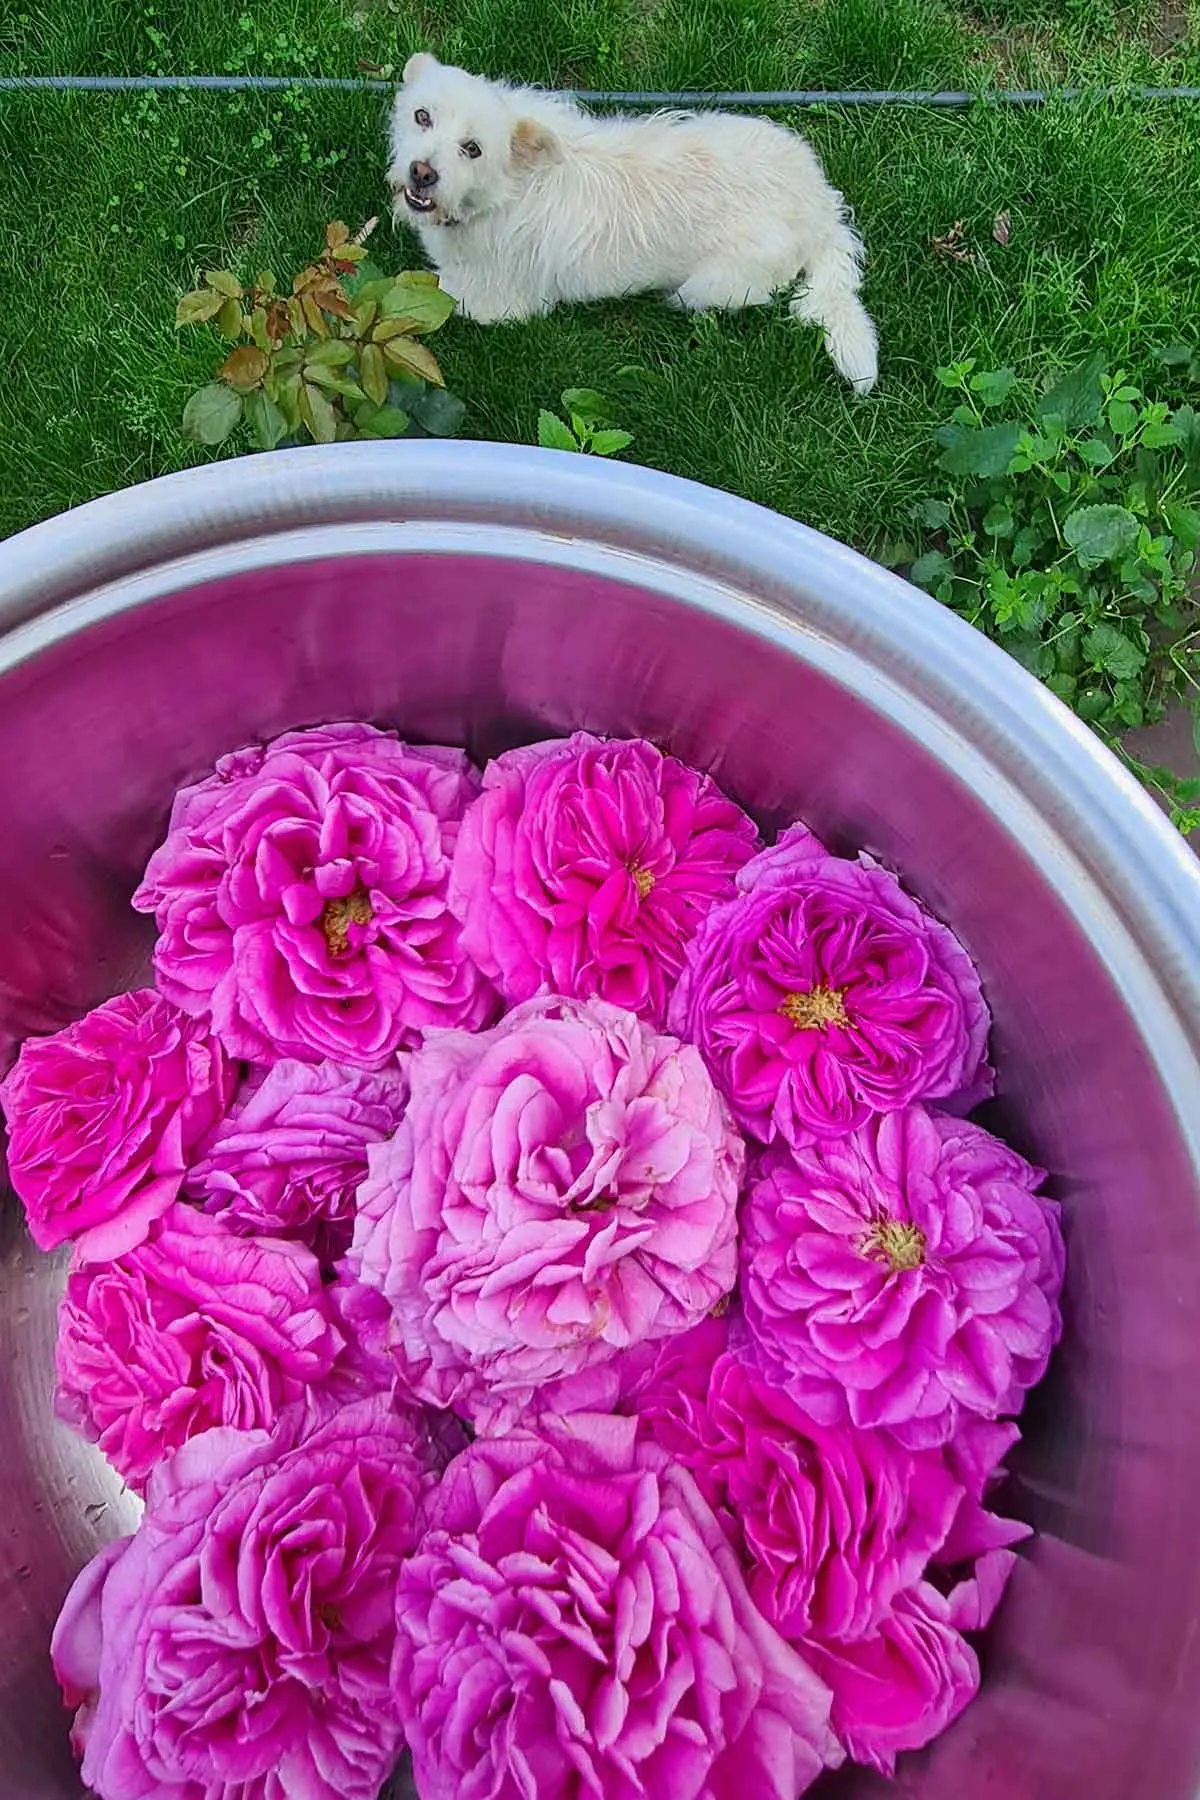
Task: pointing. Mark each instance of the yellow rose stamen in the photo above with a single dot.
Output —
(643, 881)
(816, 1010)
(337, 916)
(896, 1242)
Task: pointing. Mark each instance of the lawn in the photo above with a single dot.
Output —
(112, 204)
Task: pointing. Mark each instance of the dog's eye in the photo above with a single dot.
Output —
(422, 118)
(471, 149)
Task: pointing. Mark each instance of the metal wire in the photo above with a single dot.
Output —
(949, 98)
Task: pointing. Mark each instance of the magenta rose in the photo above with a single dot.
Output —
(574, 1623)
(585, 866)
(301, 898)
(832, 1522)
(906, 1275)
(103, 1117)
(898, 1689)
(560, 1187)
(823, 994)
(194, 1328)
(292, 1149)
(238, 1646)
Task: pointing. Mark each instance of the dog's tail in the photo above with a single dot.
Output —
(830, 299)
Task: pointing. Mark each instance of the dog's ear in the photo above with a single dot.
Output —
(534, 143)
(418, 65)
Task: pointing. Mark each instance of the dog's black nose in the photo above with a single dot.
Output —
(421, 176)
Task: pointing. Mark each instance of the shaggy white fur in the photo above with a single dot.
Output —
(523, 200)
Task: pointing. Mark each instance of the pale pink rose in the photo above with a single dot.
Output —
(823, 995)
(292, 1149)
(575, 1623)
(301, 898)
(560, 1187)
(906, 1275)
(103, 1117)
(238, 1646)
(585, 866)
(194, 1328)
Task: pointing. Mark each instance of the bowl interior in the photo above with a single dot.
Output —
(1090, 1667)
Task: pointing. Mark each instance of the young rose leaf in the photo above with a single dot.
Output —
(313, 316)
(266, 421)
(335, 353)
(229, 319)
(243, 368)
(196, 307)
(422, 307)
(553, 433)
(403, 353)
(1099, 534)
(211, 414)
(258, 328)
(387, 329)
(318, 414)
(439, 413)
(373, 372)
(222, 282)
(332, 382)
(381, 421)
(336, 234)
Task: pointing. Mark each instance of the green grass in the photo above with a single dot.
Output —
(112, 204)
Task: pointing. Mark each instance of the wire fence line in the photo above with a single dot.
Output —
(948, 98)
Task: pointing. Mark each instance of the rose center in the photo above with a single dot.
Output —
(816, 1010)
(896, 1242)
(337, 916)
(643, 881)
(329, 1615)
(601, 1204)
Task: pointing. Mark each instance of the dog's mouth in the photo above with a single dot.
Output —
(418, 203)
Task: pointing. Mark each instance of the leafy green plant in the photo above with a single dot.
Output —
(340, 356)
(587, 427)
(1066, 527)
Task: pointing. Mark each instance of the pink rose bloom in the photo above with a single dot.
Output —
(906, 1275)
(560, 1187)
(835, 1528)
(585, 866)
(103, 1117)
(238, 1646)
(301, 898)
(823, 994)
(900, 1688)
(832, 1522)
(194, 1328)
(574, 1624)
(292, 1149)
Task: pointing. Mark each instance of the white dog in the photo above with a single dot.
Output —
(523, 200)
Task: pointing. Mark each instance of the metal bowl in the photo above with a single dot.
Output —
(488, 595)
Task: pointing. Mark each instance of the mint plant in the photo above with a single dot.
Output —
(339, 356)
(589, 429)
(1066, 527)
